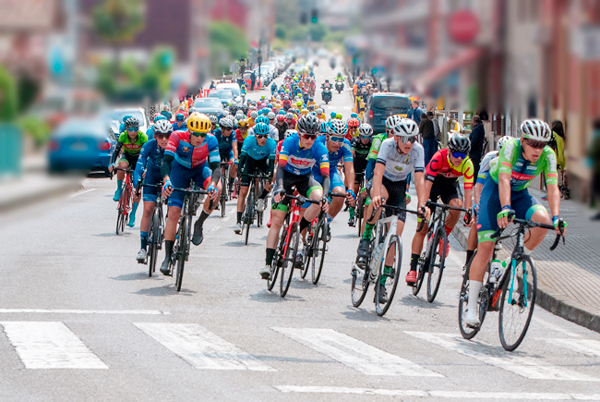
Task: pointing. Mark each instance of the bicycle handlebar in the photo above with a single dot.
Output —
(395, 209)
(532, 224)
(445, 206)
(190, 191)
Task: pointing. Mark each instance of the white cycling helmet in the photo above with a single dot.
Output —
(537, 130)
(503, 140)
(391, 122)
(405, 128)
(365, 130)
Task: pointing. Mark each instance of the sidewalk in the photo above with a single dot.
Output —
(568, 277)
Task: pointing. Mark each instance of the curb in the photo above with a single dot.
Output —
(546, 299)
(34, 198)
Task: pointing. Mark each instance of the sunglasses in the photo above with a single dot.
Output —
(535, 144)
(459, 155)
(407, 140)
(337, 139)
(309, 136)
(259, 136)
(132, 129)
(196, 134)
(160, 136)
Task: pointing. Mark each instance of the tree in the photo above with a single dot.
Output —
(318, 31)
(280, 32)
(227, 44)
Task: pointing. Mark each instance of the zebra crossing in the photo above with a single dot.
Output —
(53, 345)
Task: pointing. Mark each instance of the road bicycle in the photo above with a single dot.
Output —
(226, 191)
(361, 198)
(373, 269)
(511, 292)
(317, 237)
(433, 258)
(252, 211)
(125, 200)
(181, 247)
(156, 234)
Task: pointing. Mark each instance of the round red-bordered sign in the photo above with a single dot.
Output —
(463, 26)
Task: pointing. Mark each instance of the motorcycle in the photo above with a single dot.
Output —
(339, 86)
(326, 95)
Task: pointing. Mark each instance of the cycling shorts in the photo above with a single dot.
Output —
(251, 165)
(305, 185)
(446, 189)
(153, 177)
(335, 181)
(181, 176)
(129, 158)
(521, 202)
(396, 194)
(226, 154)
(360, 165)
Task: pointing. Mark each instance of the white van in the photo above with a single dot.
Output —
(232, 86)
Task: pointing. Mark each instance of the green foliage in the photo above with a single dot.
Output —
(36, 128)
(280, 32)
(318, 31)
(118, 21)
(8, 96)
(227, 44)
(299, 33)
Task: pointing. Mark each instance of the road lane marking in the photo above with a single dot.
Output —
(50, 345)
(201, 348)
(588, 347)
(557, 328)
(224, 220)
(82, 192)
(515, 396)
(67, 311)
(495, 356)
(354, 353)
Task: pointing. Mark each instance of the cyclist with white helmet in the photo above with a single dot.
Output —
(214, 120)
(360, 147)
(441, 181)
(398, 157)
(505, 190)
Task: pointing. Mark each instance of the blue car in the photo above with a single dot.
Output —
(81, 145)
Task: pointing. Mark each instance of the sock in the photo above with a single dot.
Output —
(474, 288)
(144, 238)
(469, 255)
(351, 211)
(329, 218)
(368, 231)
(304, 224)
(134, 209)
(386, 272)
(448, 231)
(239, 217)
(414, 261)
(526, 250)
(169, 247)
(119, 184)
(203, 217)
(270, 254)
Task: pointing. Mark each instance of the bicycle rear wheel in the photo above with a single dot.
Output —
(391, 278)
(120, 219)
(420, 276)
(360, 284)
(359, 214)
(482, 304)
(222, 200)
(153, 241)
(318, 250)
(249, 214)
(277, 260)
(287, 267)
(517, 303)
(436, 264)
(183, 241)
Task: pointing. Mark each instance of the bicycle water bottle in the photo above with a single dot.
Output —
(497, 269)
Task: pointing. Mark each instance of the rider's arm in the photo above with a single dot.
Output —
(504, 188)
(141, 163)
(420, 185)
(214, 159)
(165, 168)
(377, 178)
(117, 151)
(242, 164)
(469, 177)
(279, 174)
(349, 176)
(551, 181)
(370, 169)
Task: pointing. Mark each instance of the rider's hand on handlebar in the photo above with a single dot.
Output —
(351, 197)
(168, 188)
(278, 196)
(324, 203)
(376, 201)
(213, 193)
(503, 217)
(426, 212)
(560, 225)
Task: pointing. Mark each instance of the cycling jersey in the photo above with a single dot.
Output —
(176, 127)
(239, 136)
(361, 151)
(257, 152)
(300, 161)
(522, 171)
(375, 145)
(150, 159)
(189, 156)
(133, 147)
(399, 166)
(440, 166)
(225, 143)
(343, 154)
(484, 166)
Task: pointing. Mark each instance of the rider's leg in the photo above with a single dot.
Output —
(145, 224)
(471, 243)
(134, 207)
(123, 163)
(337, 203)
(170, 230)
(276, 222)
(241, 202)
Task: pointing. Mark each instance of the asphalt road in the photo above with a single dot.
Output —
(80, 320)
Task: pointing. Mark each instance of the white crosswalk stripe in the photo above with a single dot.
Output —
(354, 353)
(588, 347)
(50, 345)
(201, 348)
(524, 366)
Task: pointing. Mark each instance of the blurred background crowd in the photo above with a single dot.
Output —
(476, 64)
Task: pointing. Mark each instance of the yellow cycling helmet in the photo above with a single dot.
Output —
(304, 112)
(243, 123)
(199, 122)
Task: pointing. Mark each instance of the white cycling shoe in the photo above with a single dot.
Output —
(265, 272)
(471, 318)
(237, 229)
(141, 256)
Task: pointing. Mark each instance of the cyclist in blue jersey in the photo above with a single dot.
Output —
(179, 123)
(297, 157)
(148, 168)
(258, 153)
(228, 146)
(190, 155)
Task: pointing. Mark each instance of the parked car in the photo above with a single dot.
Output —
(208, 106)
(232, 86)
(81, 145)
(224, 95)
(247, 81)
(382, 105)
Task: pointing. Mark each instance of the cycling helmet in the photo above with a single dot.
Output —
(290, 132)
(353, 115)
(213, 119)
(271, 115)
(338, 116)
(261, 129)
(391, 122)
(163, 127)
(127, 116)
(226, 112)
(282, 112)
(264, 111)
(239, 115)
(337, 127)
(155, 115)
(324, 127)
(199, 123)
(226, 122)
(289, 116)
(311, 108)
(253, 114)
(333, 115)
(263, 119)
(280, 117)
(319, 111)
(179, 117)
(536, 130)
(132, 122)
(503, 140)
(405, 128)
(243, 123)
(459, 143)
(365, 130)
(304, 111)
(353, 122)
(299, 103)
(309, 124)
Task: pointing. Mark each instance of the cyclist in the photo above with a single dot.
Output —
(131, 142)
(179, 123)
(390, 122)
(484, 167)
(190, 155)
(281, 126)
(213, 122)
(505, 189)
(297, 157)
(397, 158)
(360, 147)
(441, 176)
(353, 124)
(242, 132)
(228, 148)
(258, 153)
(150, 161)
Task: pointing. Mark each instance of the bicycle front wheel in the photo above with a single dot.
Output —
(517, 303)
(222, 200)
(277, 260)
(153, 241)
(436, 264)
(482, 303)
(388, 276)
(184, 236)
(249, 215)
(360, 284)
(318, 250)
(359, 214)
(287, 267)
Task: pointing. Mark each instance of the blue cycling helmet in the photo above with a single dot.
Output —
(353, 115)
(127, 116)
(333, 114)
(324, 127)
(179, 117)
(282, 112)
(262, 119)
(261, 129)
(159, 117)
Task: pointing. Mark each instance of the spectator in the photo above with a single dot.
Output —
(252, 80)
(436, 126)
(165, 112)
(477, 137)
(414, 112)
(212, 85)
(557, 143)
(427, 132)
